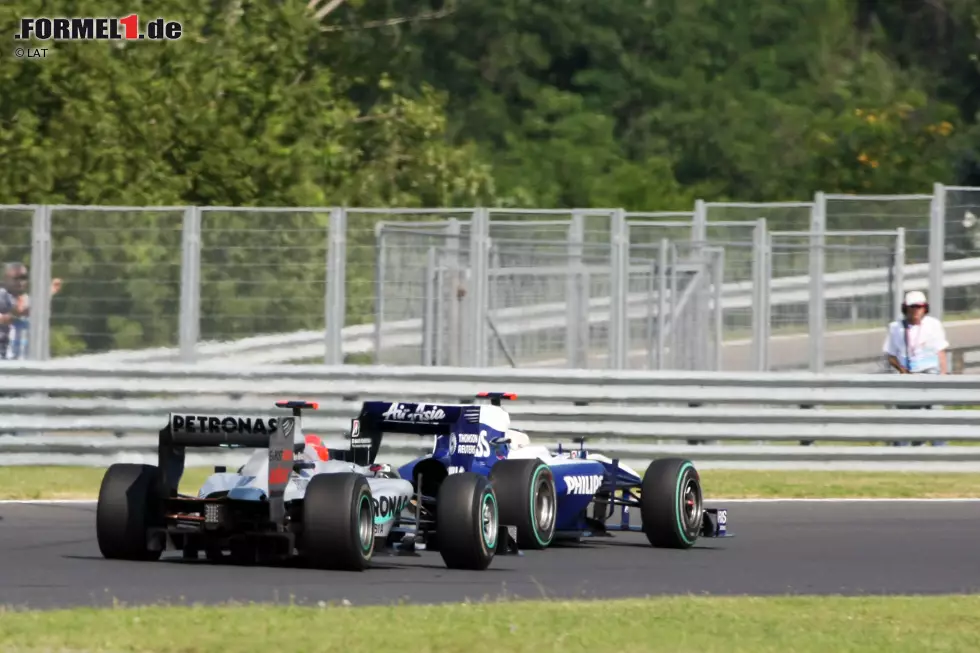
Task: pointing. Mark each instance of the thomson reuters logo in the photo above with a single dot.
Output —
(127, 28)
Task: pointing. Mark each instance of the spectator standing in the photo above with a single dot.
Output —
(15, 311)
(917, 343)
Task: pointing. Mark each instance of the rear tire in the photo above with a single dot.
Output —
(338, 522)
(528, 500)
(467, 521)
(129, 504)
(671, 503)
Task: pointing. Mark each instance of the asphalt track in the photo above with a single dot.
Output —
(50, 559)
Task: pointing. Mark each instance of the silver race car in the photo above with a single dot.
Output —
(291, 499)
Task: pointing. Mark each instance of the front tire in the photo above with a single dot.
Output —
(467, 521)
(338, 522)
(129, 504)
(528, 500)
(671, 503)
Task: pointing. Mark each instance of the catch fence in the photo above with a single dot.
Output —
(725, 286)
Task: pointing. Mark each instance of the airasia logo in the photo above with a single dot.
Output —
(414, 413)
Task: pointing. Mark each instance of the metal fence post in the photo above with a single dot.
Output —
(429, 308)
(476, 304)
(719, 311)
(574, 341)
(335, 311)
(699, 225)
(674, 304)
(818, 223)
(453, 329)
(767, 302)
(650, 331)
(492, 340)
(39, 328)
(937, 250)
(899, 292)
(190, 285)
(379, 281)
(758, 294)
(618, 319)
(662, 269)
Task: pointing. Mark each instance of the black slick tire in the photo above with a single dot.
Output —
(129, 504)
(338, 523)
(467, 521)
(671, 503)
(528, 500)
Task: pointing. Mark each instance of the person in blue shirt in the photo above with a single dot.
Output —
(15, 311)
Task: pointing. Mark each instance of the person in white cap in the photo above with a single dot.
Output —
(917, 343)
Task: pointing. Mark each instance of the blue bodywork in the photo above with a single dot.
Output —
(465, 443)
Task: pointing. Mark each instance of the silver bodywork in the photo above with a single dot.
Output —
(250, 483)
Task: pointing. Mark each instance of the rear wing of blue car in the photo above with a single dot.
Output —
(278, 434)
(379, 417)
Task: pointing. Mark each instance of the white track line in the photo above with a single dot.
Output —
(707, 500)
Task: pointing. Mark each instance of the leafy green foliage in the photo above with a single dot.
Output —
(236, 113)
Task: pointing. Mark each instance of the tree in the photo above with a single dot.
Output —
(237, 113)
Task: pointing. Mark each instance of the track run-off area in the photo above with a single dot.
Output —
(780, 547)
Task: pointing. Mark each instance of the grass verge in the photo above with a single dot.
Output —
(706, 625)
(83, 483)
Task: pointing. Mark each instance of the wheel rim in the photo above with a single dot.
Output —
(544, 506)
(365, 523)
(691, 504)
(489, 520)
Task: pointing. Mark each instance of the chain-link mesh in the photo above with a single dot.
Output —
(884, 212)
(737, 238)
(421, 275)
(530, 269)
(388, 268)
(121, 269)
(532, 225)
(540, 292)
(647, 229)
(262, 272)
(15, 247)
(695, 282)
(651, 238)
(962, 244)
(860, 288)
(648, 288)
(780, 216)
(789, 288)
(734, 222)
(549, 225)
(858, 310)
(549, 288)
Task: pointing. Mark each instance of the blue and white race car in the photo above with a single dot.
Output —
(544, 494)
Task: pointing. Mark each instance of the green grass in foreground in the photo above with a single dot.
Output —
(705, 625)
(83, 483)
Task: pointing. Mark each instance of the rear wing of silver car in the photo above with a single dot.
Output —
(281, 435)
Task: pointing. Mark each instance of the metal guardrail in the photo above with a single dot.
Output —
(359, 339)
(94, 414)
(416, 383)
